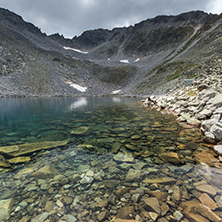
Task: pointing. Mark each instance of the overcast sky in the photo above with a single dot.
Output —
(72, 17)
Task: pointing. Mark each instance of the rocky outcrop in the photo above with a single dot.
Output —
(200, 105)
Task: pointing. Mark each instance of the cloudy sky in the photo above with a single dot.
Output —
(72, 17)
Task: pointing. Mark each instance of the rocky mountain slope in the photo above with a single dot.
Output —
(153, 56)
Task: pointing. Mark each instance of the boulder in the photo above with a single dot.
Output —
(209, 138)
(207, 124)
(216, 101)
(216, 129)
(218, 149)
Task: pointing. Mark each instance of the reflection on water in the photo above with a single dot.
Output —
(82, 101)
(121, 161)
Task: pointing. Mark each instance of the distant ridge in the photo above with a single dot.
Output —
(153, 56)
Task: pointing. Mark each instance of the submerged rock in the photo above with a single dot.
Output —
(18, 150)
(20, 159)
(45, 172)
(5, 208)
(82, 130)
(171, 157)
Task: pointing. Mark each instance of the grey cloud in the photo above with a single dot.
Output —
(72, 17)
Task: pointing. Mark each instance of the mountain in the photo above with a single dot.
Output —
(153, 56)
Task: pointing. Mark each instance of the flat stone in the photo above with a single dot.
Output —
(126, 212)
(152, 204)
(45, 172)
(207, 189)
(106, 140)
(204, 114)
(216, 101)
(24, 172)
(4, 164)
(118, 130)
(162, 180)
(131, 147)
(20, 159)
(123, 157)
(61, 179)
(153, 215)
(178, 215)
(5, 208)
(49, 206)
(40, 218)
(171, 157)
(133, 175)
(193, 122)
(23, 149)
(207, 158)
(208, 201)
(59, 203)
(82, 130)
(103, 215)
(176, 195)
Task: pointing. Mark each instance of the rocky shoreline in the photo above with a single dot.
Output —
(199, 105)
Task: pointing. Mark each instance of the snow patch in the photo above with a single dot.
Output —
(124, 61)
(116, 91)
(76, 50)
(78, 87)
(80, 102)
(137, 60)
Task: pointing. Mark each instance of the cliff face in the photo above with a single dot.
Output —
(152, 56)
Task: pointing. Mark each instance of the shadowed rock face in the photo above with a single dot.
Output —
(152, 56)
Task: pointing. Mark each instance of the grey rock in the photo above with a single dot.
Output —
(86, 180)
(216, 129)
(218, 149)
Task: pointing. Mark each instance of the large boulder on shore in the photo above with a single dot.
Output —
(216, 129)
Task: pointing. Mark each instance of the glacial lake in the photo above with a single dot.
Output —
(120, 160)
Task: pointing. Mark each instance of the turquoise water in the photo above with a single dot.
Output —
(113, 166)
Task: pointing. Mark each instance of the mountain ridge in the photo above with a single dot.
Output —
(148, 57)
